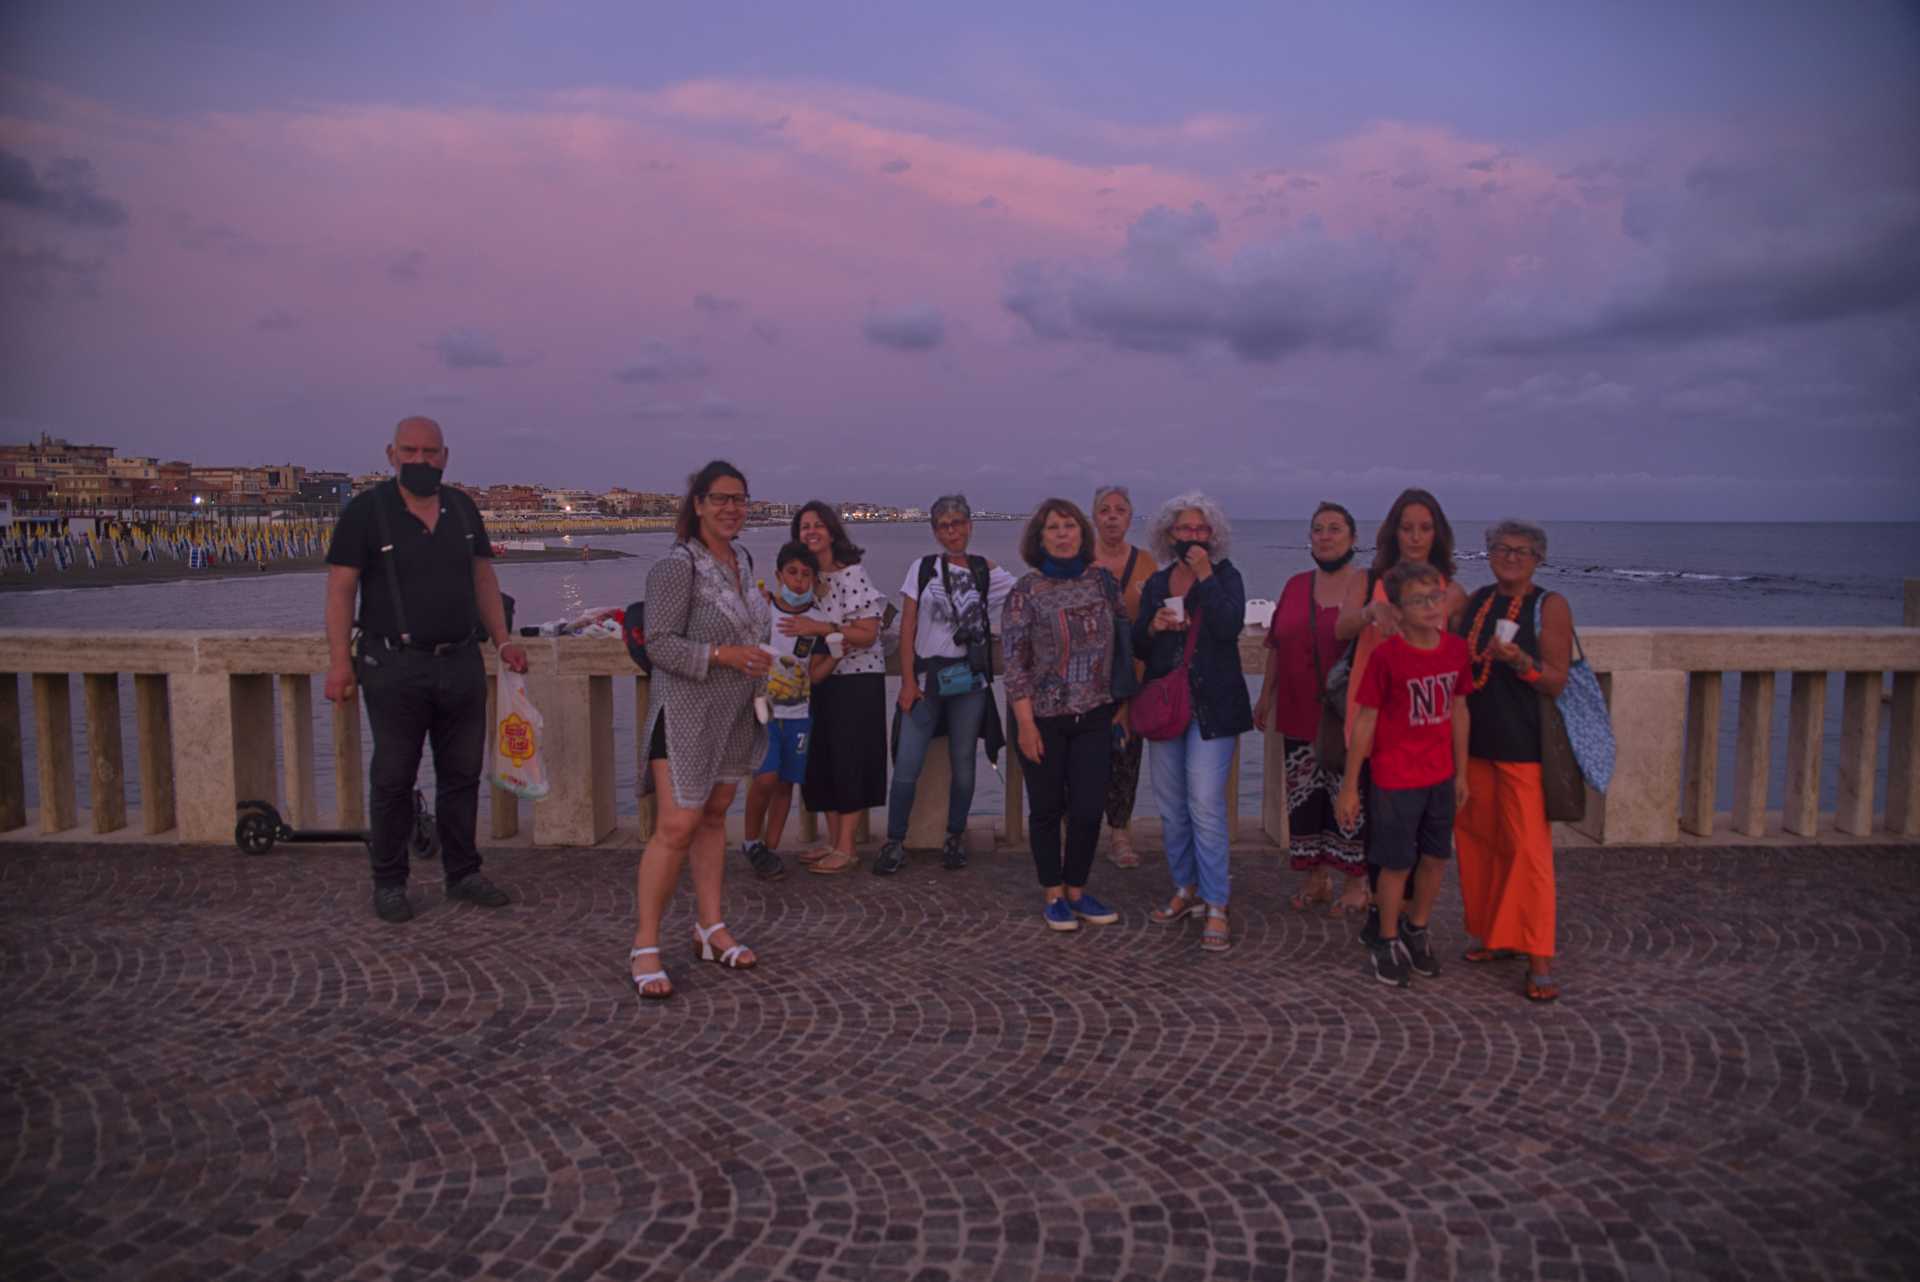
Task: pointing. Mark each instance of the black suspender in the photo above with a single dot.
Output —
(384, 524)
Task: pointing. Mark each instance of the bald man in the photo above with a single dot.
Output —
(416, 554)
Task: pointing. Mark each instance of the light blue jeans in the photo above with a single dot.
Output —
(1190, 785)
(964, 714)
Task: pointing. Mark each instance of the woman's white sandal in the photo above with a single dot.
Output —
(730, 958)
(640, 982)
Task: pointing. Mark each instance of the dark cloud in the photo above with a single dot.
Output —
(43, 273)
(1737, 245)
(989, 202)
(715, 305)
(277, 321)
(407, 267)
(766, 331)
(1167, 293)
(896, 166)
(63, 189)
(657, 362)
(469, 349)
(907, 329)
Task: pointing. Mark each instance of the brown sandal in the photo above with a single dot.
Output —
(1541, 988)
(834, 861)
(1479, 955)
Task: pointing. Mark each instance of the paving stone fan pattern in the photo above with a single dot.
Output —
(222, 1066)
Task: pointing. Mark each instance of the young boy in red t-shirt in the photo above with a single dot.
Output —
(1411, 719)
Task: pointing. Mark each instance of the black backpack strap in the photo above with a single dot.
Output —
(384, 524)
(982, 577)
(928, 564)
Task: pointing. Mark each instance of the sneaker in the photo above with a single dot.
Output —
(891, 859)
(1087, 908)
(390, 902)
(1059, 916)
(766, 864)
(1370, 931)
(1389, 957)
(1419, 947)
(476, 889)
(953, 855)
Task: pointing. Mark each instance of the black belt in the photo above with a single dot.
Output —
(438, 650)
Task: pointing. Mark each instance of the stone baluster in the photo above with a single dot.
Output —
(1752, 753)
(1806, 721)
(296, 750)
(1859, 752)
(108, 788)
(1701, 792)
(153, 737)
(53, 745)
(13, 773)
(349, 769)
(1273, 789)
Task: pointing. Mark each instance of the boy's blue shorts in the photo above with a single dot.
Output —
(787, 748)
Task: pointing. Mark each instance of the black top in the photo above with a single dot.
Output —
(436, 568)
(1506, 712)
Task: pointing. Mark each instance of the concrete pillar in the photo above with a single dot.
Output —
(153, 735)
(349, 766)
(642, 708)
(1806, 723)
(1642, 806)
(13, 771)
(222, 749)
(53, 744)
(296, 750)
(104, 752)
(1859, 750)
(1903, 755)
(1702, 790)
(577, 744)
(1752, 753)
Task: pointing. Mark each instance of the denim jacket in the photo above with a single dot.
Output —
(1218, 607)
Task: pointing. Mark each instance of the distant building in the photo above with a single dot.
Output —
(332, 489)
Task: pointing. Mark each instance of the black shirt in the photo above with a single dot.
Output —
(436, 568)
(1506, 711)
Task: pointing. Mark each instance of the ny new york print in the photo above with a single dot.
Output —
(1430, 699)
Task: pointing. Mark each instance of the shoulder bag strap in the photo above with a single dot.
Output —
(1313, 635)
(1126, 575)
(384, 524)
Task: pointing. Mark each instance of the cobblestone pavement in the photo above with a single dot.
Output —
(220, 1066)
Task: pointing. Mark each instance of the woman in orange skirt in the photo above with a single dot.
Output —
(1503, 842)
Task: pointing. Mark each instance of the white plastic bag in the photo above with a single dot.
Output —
(517, 731)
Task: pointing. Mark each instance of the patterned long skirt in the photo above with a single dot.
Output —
(1123, 782)
(1318, 840)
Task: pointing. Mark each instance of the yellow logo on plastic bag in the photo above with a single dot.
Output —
(516, 739)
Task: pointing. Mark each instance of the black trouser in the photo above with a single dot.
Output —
(412, 698)
(1068, 782)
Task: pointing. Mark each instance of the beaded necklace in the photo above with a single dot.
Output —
(1483, 658)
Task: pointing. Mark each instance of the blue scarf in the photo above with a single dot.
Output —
(1054, 568)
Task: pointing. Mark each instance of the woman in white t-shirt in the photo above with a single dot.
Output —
(847, 758)
(945, 658)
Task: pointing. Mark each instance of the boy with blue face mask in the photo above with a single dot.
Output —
(798, 662)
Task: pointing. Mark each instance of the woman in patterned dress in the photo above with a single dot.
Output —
(704, 625)
(847, 757)
(1318, 613)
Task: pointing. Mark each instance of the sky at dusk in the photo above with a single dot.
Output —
(1626, 260)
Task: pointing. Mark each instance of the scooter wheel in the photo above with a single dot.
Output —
(254, 833)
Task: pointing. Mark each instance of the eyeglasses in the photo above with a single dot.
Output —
(1512, 553)
(1425, 599)
(1191, 530)
(725, 500)
(949, 527)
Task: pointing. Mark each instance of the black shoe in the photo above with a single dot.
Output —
(1419, 951)
(953, 855)
(390, 902)
(766, 864)
(1370, 932)
(476, 889)
(891, 859)
(1389, 957)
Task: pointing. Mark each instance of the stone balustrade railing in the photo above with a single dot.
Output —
(208, 707)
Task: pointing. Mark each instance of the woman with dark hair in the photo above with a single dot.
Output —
(847, 759)
(1318, 613)
(1059, 632)
(1505, 842)
(704, 624)
(1416, 530)
(1132, 566)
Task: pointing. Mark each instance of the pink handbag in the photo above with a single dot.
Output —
(1164, 705)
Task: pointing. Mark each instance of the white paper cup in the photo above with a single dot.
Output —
(836, 644)
(1506, 629)
(1177, 607)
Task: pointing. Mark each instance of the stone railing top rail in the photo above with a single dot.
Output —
(29, 650)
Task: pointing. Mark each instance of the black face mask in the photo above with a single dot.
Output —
(1183, 546)
(1337, 564)
(422, 479)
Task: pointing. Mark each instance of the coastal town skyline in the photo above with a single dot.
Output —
(1613, 262)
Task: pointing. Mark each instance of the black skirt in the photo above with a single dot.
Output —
(847, 755)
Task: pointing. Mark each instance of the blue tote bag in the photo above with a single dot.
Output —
(1584, 708)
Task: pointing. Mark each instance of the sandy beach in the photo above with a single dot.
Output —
(110, 576)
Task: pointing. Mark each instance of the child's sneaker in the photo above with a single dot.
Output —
(1420, 951)
(891, 859)
(1389, 957)
(1370, 930)
(766, 864)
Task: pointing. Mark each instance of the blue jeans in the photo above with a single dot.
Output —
(964, 713)
(1190, 785)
